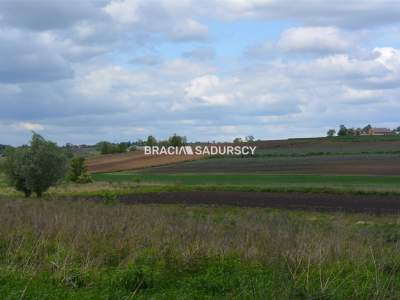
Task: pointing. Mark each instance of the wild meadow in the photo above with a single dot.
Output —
(51, 249)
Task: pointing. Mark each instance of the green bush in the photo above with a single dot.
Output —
(36, 167)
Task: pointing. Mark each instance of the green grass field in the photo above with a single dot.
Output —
(59, 249)
(284, 182)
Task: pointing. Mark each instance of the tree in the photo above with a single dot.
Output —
(342, 130)
(36, 167)
(177, 140)
(151, 141)
(77, 168)
(367, 128)
(15, 167)
(237, 140)
(249, 138)
(331, 132)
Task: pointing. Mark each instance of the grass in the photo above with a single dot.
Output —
(81, 250)
(282, 182)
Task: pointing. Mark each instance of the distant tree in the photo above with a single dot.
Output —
(249, 138)
(237, 140)
(366, 128)
(343, 131)
(109, 148)
(351, 131)
(104, 147)
(77, 168)
(36, 167)
(177, 140)
(331, 132)
(121, 147)
(151, 141)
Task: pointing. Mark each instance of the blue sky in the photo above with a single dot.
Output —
(84, 71)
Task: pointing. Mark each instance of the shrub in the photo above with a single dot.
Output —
(77, 168)
(36, 167)
(84, 178)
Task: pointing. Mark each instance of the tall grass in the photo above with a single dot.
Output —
(81, 250)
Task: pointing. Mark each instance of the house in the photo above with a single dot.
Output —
(380, 131)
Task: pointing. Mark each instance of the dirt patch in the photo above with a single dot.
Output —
(305, 201)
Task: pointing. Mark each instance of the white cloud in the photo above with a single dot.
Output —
(30, 126)
(211, 91)
(314, 39)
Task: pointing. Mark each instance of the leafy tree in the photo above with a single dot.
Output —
(77, 168)
(36, 167)
(177, 140)
(237, 140)
(104, 147)
(367, 128)
(109, 148)
(331, 132)
(342, 130)
(15, 167)
(249, 138)
(151, 141)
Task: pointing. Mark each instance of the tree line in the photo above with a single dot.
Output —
(354, 131)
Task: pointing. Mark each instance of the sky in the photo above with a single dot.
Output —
(120, 70)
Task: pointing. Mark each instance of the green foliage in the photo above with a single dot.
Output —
(110, 197)
(342, 131)
(77, 168)
(151, 141)
(110, 148)
(36, 167)
(177, 140)
(238, 140)
(331, 132)
(249, 139)
(84, 178)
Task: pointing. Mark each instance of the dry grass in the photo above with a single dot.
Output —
(296, 252)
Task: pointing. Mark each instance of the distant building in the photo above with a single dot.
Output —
(380, 131)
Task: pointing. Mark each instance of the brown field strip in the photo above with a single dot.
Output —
(304, 201)
(133, 161)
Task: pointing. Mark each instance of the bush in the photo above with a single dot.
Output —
(36, 167)
(77, 168)
(84, 178)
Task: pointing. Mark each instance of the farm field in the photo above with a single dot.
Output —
(83, 250)
(132, 160)
(357, 164)
(338, 155)
(288, 224)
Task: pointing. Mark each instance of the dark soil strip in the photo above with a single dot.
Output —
(376, 204)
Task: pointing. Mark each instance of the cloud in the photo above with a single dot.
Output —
(148, 60)
(28, 59)
(30, 126)
(323, 40)
(348, 14)
(46, 14)
(120, 70)
(308, 41)
(202, 54)
(210, 90)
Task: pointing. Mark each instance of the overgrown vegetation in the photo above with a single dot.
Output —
(34, 168)
(81, 250)
(78, 171)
